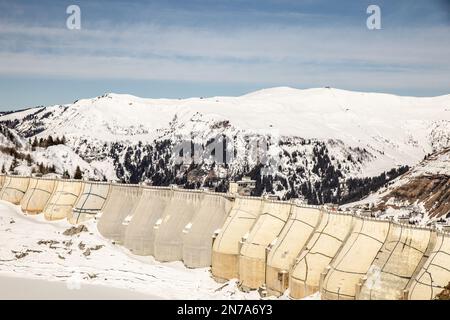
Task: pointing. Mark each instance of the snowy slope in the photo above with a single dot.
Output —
(400, 126)
(315, 134)
(35, 249)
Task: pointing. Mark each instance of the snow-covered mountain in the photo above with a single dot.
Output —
(324, 144)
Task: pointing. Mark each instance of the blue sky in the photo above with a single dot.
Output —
(219, 47)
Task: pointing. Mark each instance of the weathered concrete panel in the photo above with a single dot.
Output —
(323, 246)
(226, 247)
(291, 240)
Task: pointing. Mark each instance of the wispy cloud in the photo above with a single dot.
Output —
(298, 43)
(277, 54)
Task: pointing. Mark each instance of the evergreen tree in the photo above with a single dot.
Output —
(13, 165)
(78, 174)
(34, 144)
(28, 159)
(50, 141)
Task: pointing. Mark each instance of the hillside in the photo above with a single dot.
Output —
(422, 194)
(323, 144)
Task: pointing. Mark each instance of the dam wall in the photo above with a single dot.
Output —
(37, 195)
(402, 255)
(252, 259)
(281, 256)
(118, 210)
(63, 199)
(434, 275)
(14, 189)
(91, 201)
(354, 260)
(280, 247)
(140, 232)
(179, 213)
(198, 234)
(322, 247)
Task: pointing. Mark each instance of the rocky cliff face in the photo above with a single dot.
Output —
(422, 194)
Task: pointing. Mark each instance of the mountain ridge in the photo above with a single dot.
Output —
(323, 142)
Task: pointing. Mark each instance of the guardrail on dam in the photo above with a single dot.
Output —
(276, 245)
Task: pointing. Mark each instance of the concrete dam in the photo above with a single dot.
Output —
(267, 244)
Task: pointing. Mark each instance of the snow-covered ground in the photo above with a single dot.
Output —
(14, 288)
(38, 261)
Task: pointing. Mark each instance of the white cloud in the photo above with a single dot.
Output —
(346, 57)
